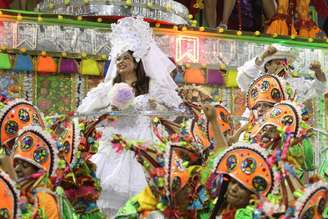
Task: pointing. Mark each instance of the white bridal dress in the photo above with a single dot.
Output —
(120, 174)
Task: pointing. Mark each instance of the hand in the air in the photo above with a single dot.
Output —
(319, 74)
(269, 52)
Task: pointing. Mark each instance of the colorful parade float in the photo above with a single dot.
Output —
(54, 55)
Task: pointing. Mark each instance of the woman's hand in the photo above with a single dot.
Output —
(152, 104)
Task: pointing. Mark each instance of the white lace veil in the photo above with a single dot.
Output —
(133, 34)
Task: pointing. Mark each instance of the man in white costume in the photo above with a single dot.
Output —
(277, 62)
(136, 60)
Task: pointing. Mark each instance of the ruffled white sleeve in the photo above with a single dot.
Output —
(164, 95)
(97, 98)
(247, 73)
(307, 89)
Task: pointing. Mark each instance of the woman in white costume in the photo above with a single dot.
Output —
(137, 61)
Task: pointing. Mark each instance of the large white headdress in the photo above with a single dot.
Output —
(134, 34)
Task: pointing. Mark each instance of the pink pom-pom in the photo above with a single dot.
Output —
(121, 95)
(117, 147)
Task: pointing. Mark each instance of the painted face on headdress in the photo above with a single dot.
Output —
(16, 116)
(36, 148)
(283, 115)
(313, 203)
(8, 197)
(265, 89)
(202, 129)
(247, 166)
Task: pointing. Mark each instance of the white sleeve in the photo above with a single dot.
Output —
(97, 98)
(164, 95)
(306, 89)
(247, 73)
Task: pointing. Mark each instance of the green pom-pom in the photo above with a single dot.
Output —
(146, 164)
(161, 182)
(161, 206)
(61, 164)
(185, 164)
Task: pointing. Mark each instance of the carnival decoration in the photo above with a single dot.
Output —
(166, 11)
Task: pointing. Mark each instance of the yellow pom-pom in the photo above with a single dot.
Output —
(190, 17)
(202, 29)
(3, 48)
(40, 19)
(257, 33)
(64, 54)
(293, 37)
(66, 2)
(1, 12)
(19, 17)
(239, 33)
(168, 7)
(221, 30)
(204, 65)
(86, 2)
(23, 50)
(43, 53)
(128, 3)
(99, 20)
(60, 17)
(327, 40)
(194, 23)
(84, 55)
(175, 27)
(275, 35)
(223, 66)
(157, 25)
(79, 18)
(310, 40)
(188, 65)
(184, 28)
(150, 5)
(51, 5)
(104, 56)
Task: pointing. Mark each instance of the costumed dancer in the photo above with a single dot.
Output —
(144, 70)
(241, 177)
(283, 132)
(14, 116)
(34, 161)
(262, 94)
